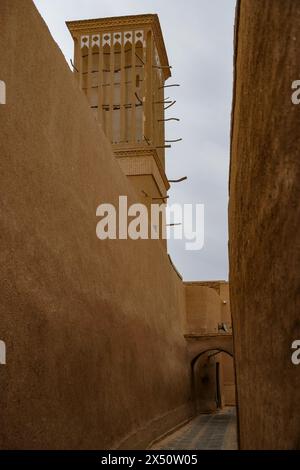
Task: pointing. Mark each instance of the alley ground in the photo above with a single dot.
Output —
(208, 431)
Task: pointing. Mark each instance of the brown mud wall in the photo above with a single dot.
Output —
(94, 329)
(264, 218)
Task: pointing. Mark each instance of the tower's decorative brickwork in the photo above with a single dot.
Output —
(121, 65)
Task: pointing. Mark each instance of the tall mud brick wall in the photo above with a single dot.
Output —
(264, 218)
(96, 356)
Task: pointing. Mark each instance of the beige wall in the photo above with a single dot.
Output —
(203, 309)
(225, 310)
(147, 184)
(94, 329)
(264, 216)
(228, 379)
(207, 305)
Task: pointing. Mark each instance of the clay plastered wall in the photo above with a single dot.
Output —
(224, 294)
(228, 379)
(264, 223)
(93, 329)
(203, 309)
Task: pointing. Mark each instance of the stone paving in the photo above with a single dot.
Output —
(216, 431)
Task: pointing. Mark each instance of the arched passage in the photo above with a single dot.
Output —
(212, 380)
(217, 350)
(198, 344)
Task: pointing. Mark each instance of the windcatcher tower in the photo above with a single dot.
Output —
(121, 65)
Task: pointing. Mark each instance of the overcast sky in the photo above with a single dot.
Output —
(199, 41)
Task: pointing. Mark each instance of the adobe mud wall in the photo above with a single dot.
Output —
(203, 309)
(264, 216)
(96, 356)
